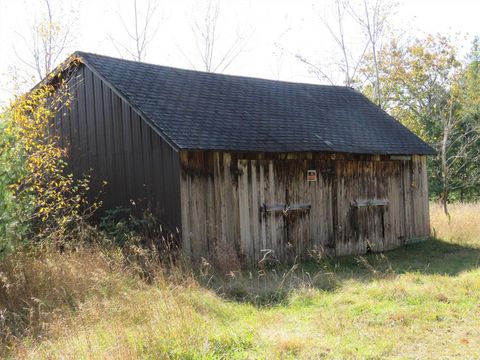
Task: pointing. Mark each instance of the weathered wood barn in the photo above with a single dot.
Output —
(244, 166)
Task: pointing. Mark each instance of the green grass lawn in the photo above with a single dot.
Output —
(421, 301)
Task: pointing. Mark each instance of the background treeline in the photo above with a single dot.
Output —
(425, 84)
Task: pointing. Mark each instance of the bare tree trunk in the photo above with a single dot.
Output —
(205, 30)
(378, 97)
(51, 36)
(342, 45)
(444, 164)
(372, 36)
(144, 30)
(348, 65)
(444, 195)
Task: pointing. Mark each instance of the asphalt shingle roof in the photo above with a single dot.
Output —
(205, 111)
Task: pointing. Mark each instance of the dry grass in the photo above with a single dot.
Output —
(422, 301)
(463, 226)
(38, 285)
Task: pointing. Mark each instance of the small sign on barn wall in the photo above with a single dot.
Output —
(311, 175)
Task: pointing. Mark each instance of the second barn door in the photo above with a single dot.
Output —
(364, 196)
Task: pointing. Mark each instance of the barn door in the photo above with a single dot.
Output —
(273, 209)
(362, 208)
(368, 223)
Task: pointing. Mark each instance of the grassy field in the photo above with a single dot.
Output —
(422, 301)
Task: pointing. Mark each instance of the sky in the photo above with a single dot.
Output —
(274, 32)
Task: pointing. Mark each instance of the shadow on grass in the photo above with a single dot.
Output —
(434, 257)
(269, 287)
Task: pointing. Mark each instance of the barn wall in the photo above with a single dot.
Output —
(128, 162)
(223, 197)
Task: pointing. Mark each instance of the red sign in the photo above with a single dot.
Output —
(311, 175)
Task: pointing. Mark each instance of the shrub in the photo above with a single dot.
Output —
(39, 197)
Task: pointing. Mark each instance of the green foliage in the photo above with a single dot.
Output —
(468, 181)
(12, 168)
(125, 228)
(119, 226)
(471, 83)
(429, 90)
(39, 198)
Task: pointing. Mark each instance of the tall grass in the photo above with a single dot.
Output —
(463, 225)
(420, 301)
(40, 283)
(98, 301)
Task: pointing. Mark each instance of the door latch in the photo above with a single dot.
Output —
(285, 209)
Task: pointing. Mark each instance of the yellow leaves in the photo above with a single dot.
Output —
(48, 29)
(57, 198)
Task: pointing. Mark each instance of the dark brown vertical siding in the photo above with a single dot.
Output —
(99, 125)
(120, 181)
(147, 160)
(109, 146)
(62, 127)
(73, 119)
(175, 205)
(66, 128)
(129, 161)
(82, 148)
(157, 173)
(127, 151)
(138, 165)
(168, 202)
(92, 160)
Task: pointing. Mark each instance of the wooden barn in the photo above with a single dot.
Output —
(246, 167)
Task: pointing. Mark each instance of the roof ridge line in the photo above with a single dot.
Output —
(79, 54)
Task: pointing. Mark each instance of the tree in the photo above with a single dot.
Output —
(471, 83)
(279, 55)
(205, 30)
(348, 62)
(142, 33)
(50, 39)
(371, 19)
(426, 87)
(469, 114)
